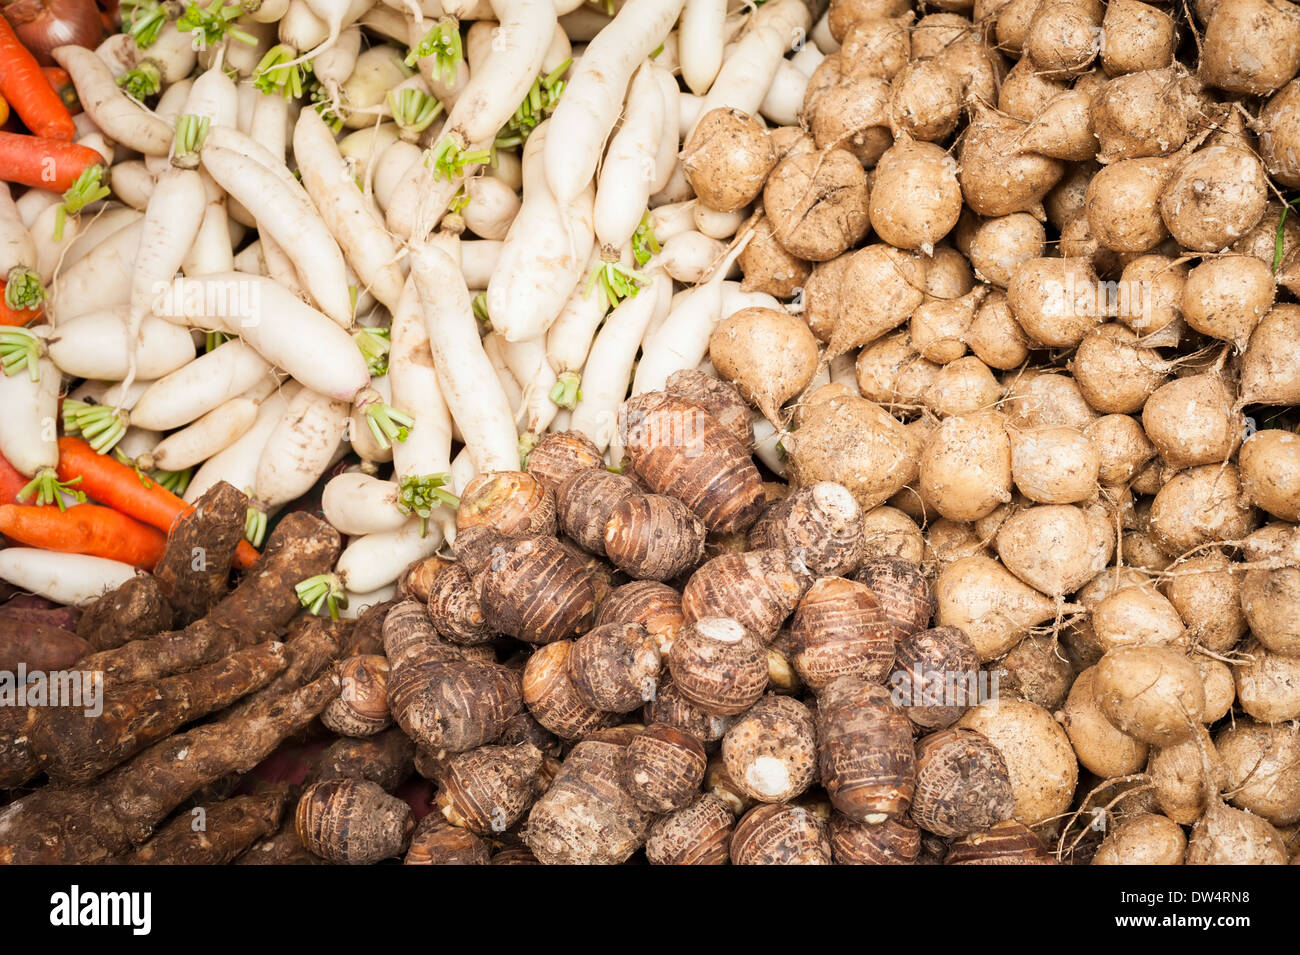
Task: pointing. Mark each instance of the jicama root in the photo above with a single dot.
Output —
(214, 834)
(92, 823)
(136, 609)
(200, 549)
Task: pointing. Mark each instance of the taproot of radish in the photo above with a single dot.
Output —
(113, 111)
(29, 386)
(569, 338)
(237, 463)
(624, 186)
(208, 435)
(355, 503)
(700, 42)
(101, 279)
(94, 345)
(75, 580)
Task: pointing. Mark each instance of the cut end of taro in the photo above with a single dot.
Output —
(720, 629)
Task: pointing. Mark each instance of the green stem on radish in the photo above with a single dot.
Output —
(20, 349)
(214, 24)
(323, 103)
(323, 590)
(191, 131)
(616, 282)
(50, 490)
(87, 189)
(539, 103)
(567, 390)
(421, 493)
(102, 427)
(481, 309)
(23, 288)
(213, 340)
(254, 524)
(174, 481)
(527, 441)
(144, 19)
(375, 344)
(443, 43)
(387, 424)
(458, 202)
(413, 111)
(271, 75)
(644, 243)
(142, 82)
(449, 160)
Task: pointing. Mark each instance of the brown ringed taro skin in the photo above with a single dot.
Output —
(662, 768)
(653, 537)
(524, 728)
(822, 523)
(417, 580)
(840, 629)
(550, 696)
(352, 821)
(718, 665)
(362, 707)
(586, 499)
(586, 817)
(435, 842)
(512, 503)
(654, 605)
(893, 842)
(902, 590)
(962, 784)
(489, 789)
(515, 855)
(559, 455)
(409, 637)
(757, 588)
(672, 707)
(865, 751)
(454, 608)
(615, 668)
(696, 834)
(453, 705)
(717, 397)
(771, 751)
(386, 759)
(682, 451)
(536, 591)
(1007, 843)
(781, 834)
(933, 674)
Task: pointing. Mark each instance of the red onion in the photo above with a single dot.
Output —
(43, 25)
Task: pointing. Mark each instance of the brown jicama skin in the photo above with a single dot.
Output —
(587, 816)
(549, 694)
(1056, 300)
(840, 629)
(726, 159)
(817, 203)
(851, 115)
(925, 101)
(489, 789)
(915, 198)
(434, 842)
(768, 354)
(536, 591)
(1227, 836)
(1199, 505)
(879, 289)
(454, 705)
(989, 603)
(214, 834)
(138, 608)
(877, 46)
(38, 646)
(681, 450)
(821, 296)
(352, 822)
(1154, 694)
(962, 784)
(1266, 684)
(386, 760)
(301, 546)
(765, 264)
(1115, 372)
(758, 589)
(1278, 122)
(1063, 128)
(1144, 839)
(771, 751)
(1055, 548)
(965, 469)
(697, 834)
(1007, 843)
(1269, 28)
(662, 768)
(1002, 244)
(1054, 465)
(1099, 746)
(1026, 91)
(781, 835)
(200, 549)
(864, 751)
(585, 501)
(653, 537)
(1122, 204)
(718, 398)
(1136, 36)
(895, 842)
(50, 825)
(1142, 114)
(939, 327)
(1062, 36)
(996, 178)
(718, 665)
(1270, 472)
(1270, 366)
(994, 336)
(1215, 196)
(1270, 599)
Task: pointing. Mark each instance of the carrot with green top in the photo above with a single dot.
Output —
(84, 529)
(44, 163)
(127, 490)
(16, 316)
(29, 94)
(61, 83)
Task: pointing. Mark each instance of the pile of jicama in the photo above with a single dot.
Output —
(1013, 275)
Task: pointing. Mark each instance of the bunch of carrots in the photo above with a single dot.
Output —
(129, 524)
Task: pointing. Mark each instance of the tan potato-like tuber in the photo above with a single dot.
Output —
(992, 606)
(1100, 747)
(1268, 683)
(879, 289)
(1056, 301)
(727, 158)
(1250, 46)
(1215, 196)
(1270, 366)
(1136, 36)
(1145, 839)
(996, 178)
(915, 197)
(769, 355)
(817, 203)
(1227, 836)
(1225, 297)
(1152, 693)
(1055, 548)
(1054, 465)
(1262, 764)
(965, 469)
(1270, 472)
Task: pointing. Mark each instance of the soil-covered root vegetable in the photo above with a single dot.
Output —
(769, 355)
(879, 289)
(453, 705)
(435, 842)
(1270, 599)
(990, 604)
(758, 589)
(1122, 446)
(1226, 296)
(821, 296)
(1055, 548)
(822, 521)
(1122, 205)
(965, 468)
(915, 198)
(771, 751)
(1115, 372)
(1054, 465)
(1007, 843)
(39, 646)
(1142, 114)
(654, 605)
(1100, 747)
(1063, 38)
(1136, 36)
(994, 335)
(962, 784)
(1270, 365)
(662, 768)
(901, 587)
(895, 842)
(716, 397)
(1227, 836)
(615, 668)
(681, 450)
(727, 158)
(352, 822)
(891, 372)
(851, 113)
(653, 537)
(818, 203)
(1154, 694)
(1155, 314)
(877, 46)
(840, 629)
(214, 529)
(864, 751)
(767, 266)
(1056, 300)
(670, 706)
(997, 178)
(536, 591)
(696, 834)
(513, 504)
(781, 834)
(1262, 766)
(138, 608)
(925, 100)
(586, 816)
(362, 706)
(1037, 670)
(585, 502)
(1270, 472)
(1278, 133)
(938, 328)
(560, 454)
(718, 665)
(1220, 689)
(228, 828)
(489, 789)
(1133, 616)
(550, 696)
(1003, 243)
(1039, 758)
(1147, 838)
(935, 676)
(1200, 505)
(1233, 27)
(1215, 196)
(1044, 399)
(1267, 683)
(1186, 777)
(1062, 128)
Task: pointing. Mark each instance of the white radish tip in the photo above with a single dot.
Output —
(721, 629)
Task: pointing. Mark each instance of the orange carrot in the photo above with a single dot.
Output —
(44, 163)
(25, 87)
(4, 111)
(84, 529)
(61, 83)
(12, 481)
(15, 316)
(125, 489)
